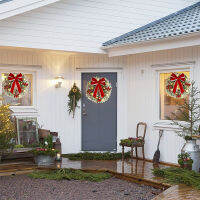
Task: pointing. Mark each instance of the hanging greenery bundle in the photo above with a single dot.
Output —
(74, 96)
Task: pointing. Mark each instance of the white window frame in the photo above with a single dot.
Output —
(166, 68)
(23, 111)
(159, 100)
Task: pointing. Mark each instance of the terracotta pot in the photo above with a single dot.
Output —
(186, 166)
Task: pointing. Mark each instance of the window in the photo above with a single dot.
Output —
(26, 99)
(27, 130)
(169, 104)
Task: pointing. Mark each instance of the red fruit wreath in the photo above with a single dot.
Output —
(15, 85)
(98, 89)
(177, 85)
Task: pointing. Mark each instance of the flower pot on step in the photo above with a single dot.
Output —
(186, 166)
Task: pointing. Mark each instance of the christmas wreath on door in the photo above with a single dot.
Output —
(98, 89)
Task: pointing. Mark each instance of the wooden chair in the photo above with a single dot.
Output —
(144, 125)
(140, 124)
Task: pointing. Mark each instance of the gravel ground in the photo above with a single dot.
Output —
(21, 187)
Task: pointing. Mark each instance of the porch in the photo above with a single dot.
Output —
(137, 171)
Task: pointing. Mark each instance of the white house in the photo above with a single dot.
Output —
(50, 38)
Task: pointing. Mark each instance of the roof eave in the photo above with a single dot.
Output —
(121, 37)
(186, 40)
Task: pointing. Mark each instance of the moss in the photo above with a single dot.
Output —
(96, 156)
(179, 176)
(69, 174)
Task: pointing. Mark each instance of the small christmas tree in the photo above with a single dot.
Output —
(7, 129)
(187, 117)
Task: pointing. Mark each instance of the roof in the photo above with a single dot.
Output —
(179, 23)
(4, 1)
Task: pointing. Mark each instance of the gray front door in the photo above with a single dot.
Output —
(99, 120)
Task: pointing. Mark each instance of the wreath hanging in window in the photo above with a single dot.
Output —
(15, 85)
(177, 85)
(98, 89)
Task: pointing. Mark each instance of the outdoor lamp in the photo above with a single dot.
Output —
(58, 165)
(58, 157)
(58, 81)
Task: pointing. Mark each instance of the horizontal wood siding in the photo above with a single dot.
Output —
(82, 25)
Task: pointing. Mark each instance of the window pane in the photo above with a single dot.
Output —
(168, 104)
(26, 99)
(27, 131)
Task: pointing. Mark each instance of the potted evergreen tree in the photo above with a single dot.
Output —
(187, 119)
(7, 131)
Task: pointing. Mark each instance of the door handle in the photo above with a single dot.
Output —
(84, 110)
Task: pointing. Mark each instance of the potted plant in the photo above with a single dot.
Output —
(132, 141)
(7, 131)
(187, 119)
(45, 154)
(185, 161)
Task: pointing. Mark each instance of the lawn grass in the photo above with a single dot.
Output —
(174, 175)
(70, 174)
(96, 156)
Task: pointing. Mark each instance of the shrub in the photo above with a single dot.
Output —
(175, 175)
(184, 158)
(132, 141)
(46, 148)
(17, 146)
(7, 129)
(44, 151)
(96, 156)
(70, 174)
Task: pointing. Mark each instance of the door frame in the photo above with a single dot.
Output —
(121, 106)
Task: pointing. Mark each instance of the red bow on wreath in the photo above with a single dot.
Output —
(178, 80)
(98, 86)
(16, 79)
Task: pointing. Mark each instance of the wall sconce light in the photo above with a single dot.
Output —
(58, 81)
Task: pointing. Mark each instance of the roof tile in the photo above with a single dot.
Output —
(179, 23)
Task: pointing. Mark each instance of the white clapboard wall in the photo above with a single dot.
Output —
(140, 85)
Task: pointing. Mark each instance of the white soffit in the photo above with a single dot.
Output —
(9, 8)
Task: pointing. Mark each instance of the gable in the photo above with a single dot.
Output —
(81, 25)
